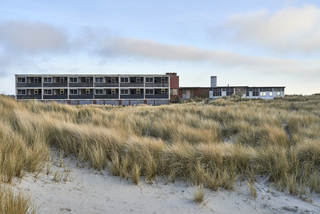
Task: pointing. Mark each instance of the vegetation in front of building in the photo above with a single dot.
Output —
(210, 144)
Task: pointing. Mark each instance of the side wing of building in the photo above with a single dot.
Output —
(269, 92)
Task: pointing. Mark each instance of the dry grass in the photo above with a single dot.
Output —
(207, 143)
(199, 194)
(12, 201)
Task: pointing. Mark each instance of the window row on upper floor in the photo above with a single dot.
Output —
(124, 91)
(99, 79)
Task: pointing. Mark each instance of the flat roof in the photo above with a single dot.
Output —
(232, 87)
(249, 86)
(195, 87)
(125, 75)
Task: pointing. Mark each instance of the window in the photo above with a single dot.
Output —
(73, 79)
(149, 80)
(163, 80)
(87, 79)
(47, 92)
(278, 93)
(61, 80)
(255, 92)
(21, 79)
(270, 93)
(36, 91)
(87, 91)
(247, 93)
(61, 91)
(229, 91)
(21, 91)
(175, 92)
(215, 92)
(113, 91)
(99, 79)
(163, 91)
(47, 79)
(114, 79)
(125, 91)
(138, 91)
(139, 80)
(99, 91)
(37, 80)
(263, 93)
(149, 91)
(73, 91)
(124, 79)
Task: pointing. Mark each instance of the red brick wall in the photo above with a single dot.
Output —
(174, 82)
(201, 92)
(197, 92)
(180, 93)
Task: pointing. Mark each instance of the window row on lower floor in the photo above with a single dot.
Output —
(115, 91)
(247, 93)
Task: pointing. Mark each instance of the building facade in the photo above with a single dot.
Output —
(265, 92)
(191, 92)
(174, 87)
(78, 89)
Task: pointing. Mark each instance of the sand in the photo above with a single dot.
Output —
(89, 191)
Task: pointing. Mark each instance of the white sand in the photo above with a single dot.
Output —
(89, 191)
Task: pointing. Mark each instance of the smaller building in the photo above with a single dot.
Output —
(265, 92)
(190, 92)
(215, 91)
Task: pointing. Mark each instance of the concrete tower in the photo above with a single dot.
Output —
(213, 81)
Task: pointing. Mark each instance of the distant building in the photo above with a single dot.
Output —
(265, 92)
(190, 92)
(76, 89)
(130, 89)
(215, 91)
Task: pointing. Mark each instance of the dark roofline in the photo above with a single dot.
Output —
(250, 86)
(232, 87)
(194, 87)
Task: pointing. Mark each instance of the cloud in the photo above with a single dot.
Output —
(290, 29)
(23, 46)
(149, 49)
(32, 37)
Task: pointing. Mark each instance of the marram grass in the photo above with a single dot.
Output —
(208, 143)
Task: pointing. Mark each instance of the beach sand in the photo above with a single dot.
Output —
(84, 190)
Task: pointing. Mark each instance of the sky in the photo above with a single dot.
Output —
(243, 43)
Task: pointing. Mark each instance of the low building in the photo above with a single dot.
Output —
(265, 92)
(190, 92)
(94, 89)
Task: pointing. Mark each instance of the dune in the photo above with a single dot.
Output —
(72, 189)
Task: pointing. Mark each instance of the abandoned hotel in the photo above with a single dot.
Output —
(151, 89)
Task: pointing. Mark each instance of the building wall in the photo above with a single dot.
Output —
(174, 85)
(251, 92)
(186, 93)
(89, 85)
(201, 92)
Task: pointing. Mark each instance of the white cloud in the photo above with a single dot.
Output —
(290, 29)
(23, 46)
(32, 37)
(148, 49)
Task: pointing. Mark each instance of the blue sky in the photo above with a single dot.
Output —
(253, 43)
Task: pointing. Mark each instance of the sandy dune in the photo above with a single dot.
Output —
(89, 191)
